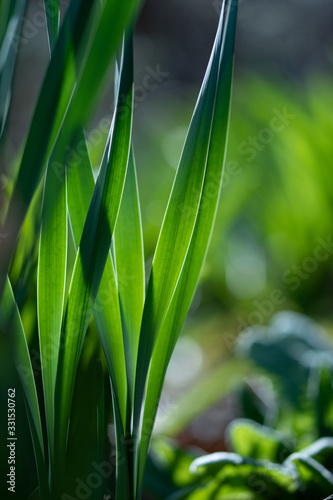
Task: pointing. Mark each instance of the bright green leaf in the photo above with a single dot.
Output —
(253, 440)
(51, 287)
(129, 259)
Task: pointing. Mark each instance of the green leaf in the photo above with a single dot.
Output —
(8, 53)
(233, 471)
(93, 250)
(321, 451)
(314, 477)
(211, 464)
(10, 320)
(253, 440)
(187, 227)
(51, 288)
(52, 11)
(129, 258)
(177, 227)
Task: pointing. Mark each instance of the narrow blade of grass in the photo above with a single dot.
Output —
(51, 288)
(10, 320)
(129, 258)
(188, 276)
(94, 248)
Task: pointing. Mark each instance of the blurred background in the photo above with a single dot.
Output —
(272, 247)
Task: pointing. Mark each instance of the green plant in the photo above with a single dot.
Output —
(137, 328)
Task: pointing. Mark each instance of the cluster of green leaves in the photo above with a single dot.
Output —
(137, 327)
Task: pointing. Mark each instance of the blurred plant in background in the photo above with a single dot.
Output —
(282, 445)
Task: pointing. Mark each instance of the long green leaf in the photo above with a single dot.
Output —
(94, 249)
(182, 280)
(230, 473)
(179, 221)
(129, 258)
(51, 288)
(10, 320)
